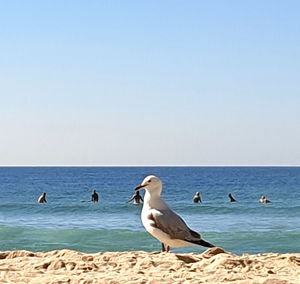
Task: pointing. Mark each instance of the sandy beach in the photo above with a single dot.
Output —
(212, 266)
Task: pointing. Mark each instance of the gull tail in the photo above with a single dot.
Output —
(203, 243)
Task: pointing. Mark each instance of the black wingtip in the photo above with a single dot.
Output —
(204, 243)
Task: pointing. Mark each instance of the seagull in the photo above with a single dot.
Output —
(163, 223)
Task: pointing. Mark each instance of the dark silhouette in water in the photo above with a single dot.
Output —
(95, 196)
(136, 197)
(264, 199)
(231, 198)
(42, 198)
(197, 197)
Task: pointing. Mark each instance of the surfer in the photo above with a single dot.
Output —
(136, 197)
(264, 199)
(231, 198)
(95, 196)
(197, 197)
(42, 198)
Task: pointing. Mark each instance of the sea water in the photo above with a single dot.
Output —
(69, 220)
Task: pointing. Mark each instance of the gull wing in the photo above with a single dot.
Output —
(173, 225)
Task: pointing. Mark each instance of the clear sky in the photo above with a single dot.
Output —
(149, 82)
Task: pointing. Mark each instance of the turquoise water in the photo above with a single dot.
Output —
(69, 221)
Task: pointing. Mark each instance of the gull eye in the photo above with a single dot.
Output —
(149, 180)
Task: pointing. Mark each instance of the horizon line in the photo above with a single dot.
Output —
(151, 165)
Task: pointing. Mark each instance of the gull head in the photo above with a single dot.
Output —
(151, 184)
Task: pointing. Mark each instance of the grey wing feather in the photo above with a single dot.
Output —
(172, 224)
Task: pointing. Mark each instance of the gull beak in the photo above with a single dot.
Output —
(139, 187)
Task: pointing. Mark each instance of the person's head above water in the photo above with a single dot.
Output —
(197, 197)
(264, 199)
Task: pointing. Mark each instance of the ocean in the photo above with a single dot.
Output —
(68, 220)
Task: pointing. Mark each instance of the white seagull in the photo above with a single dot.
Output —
(161, 222)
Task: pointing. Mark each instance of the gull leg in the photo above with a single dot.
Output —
(168, 248)
(163, 247)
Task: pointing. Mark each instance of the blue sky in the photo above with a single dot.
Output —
(149, 83)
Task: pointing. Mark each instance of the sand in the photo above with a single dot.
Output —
(212, 266)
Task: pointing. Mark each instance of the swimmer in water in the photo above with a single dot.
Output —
(95, 196)
(197, 197)
(136, 197)
(231, 198)
(42, 198)
(264, 199)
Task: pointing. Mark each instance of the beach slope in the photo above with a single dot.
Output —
(212, 266)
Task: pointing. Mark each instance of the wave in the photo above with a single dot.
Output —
(87, 240)
(83, 206)
(88, 207)
(95, 240)
(244, 209)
